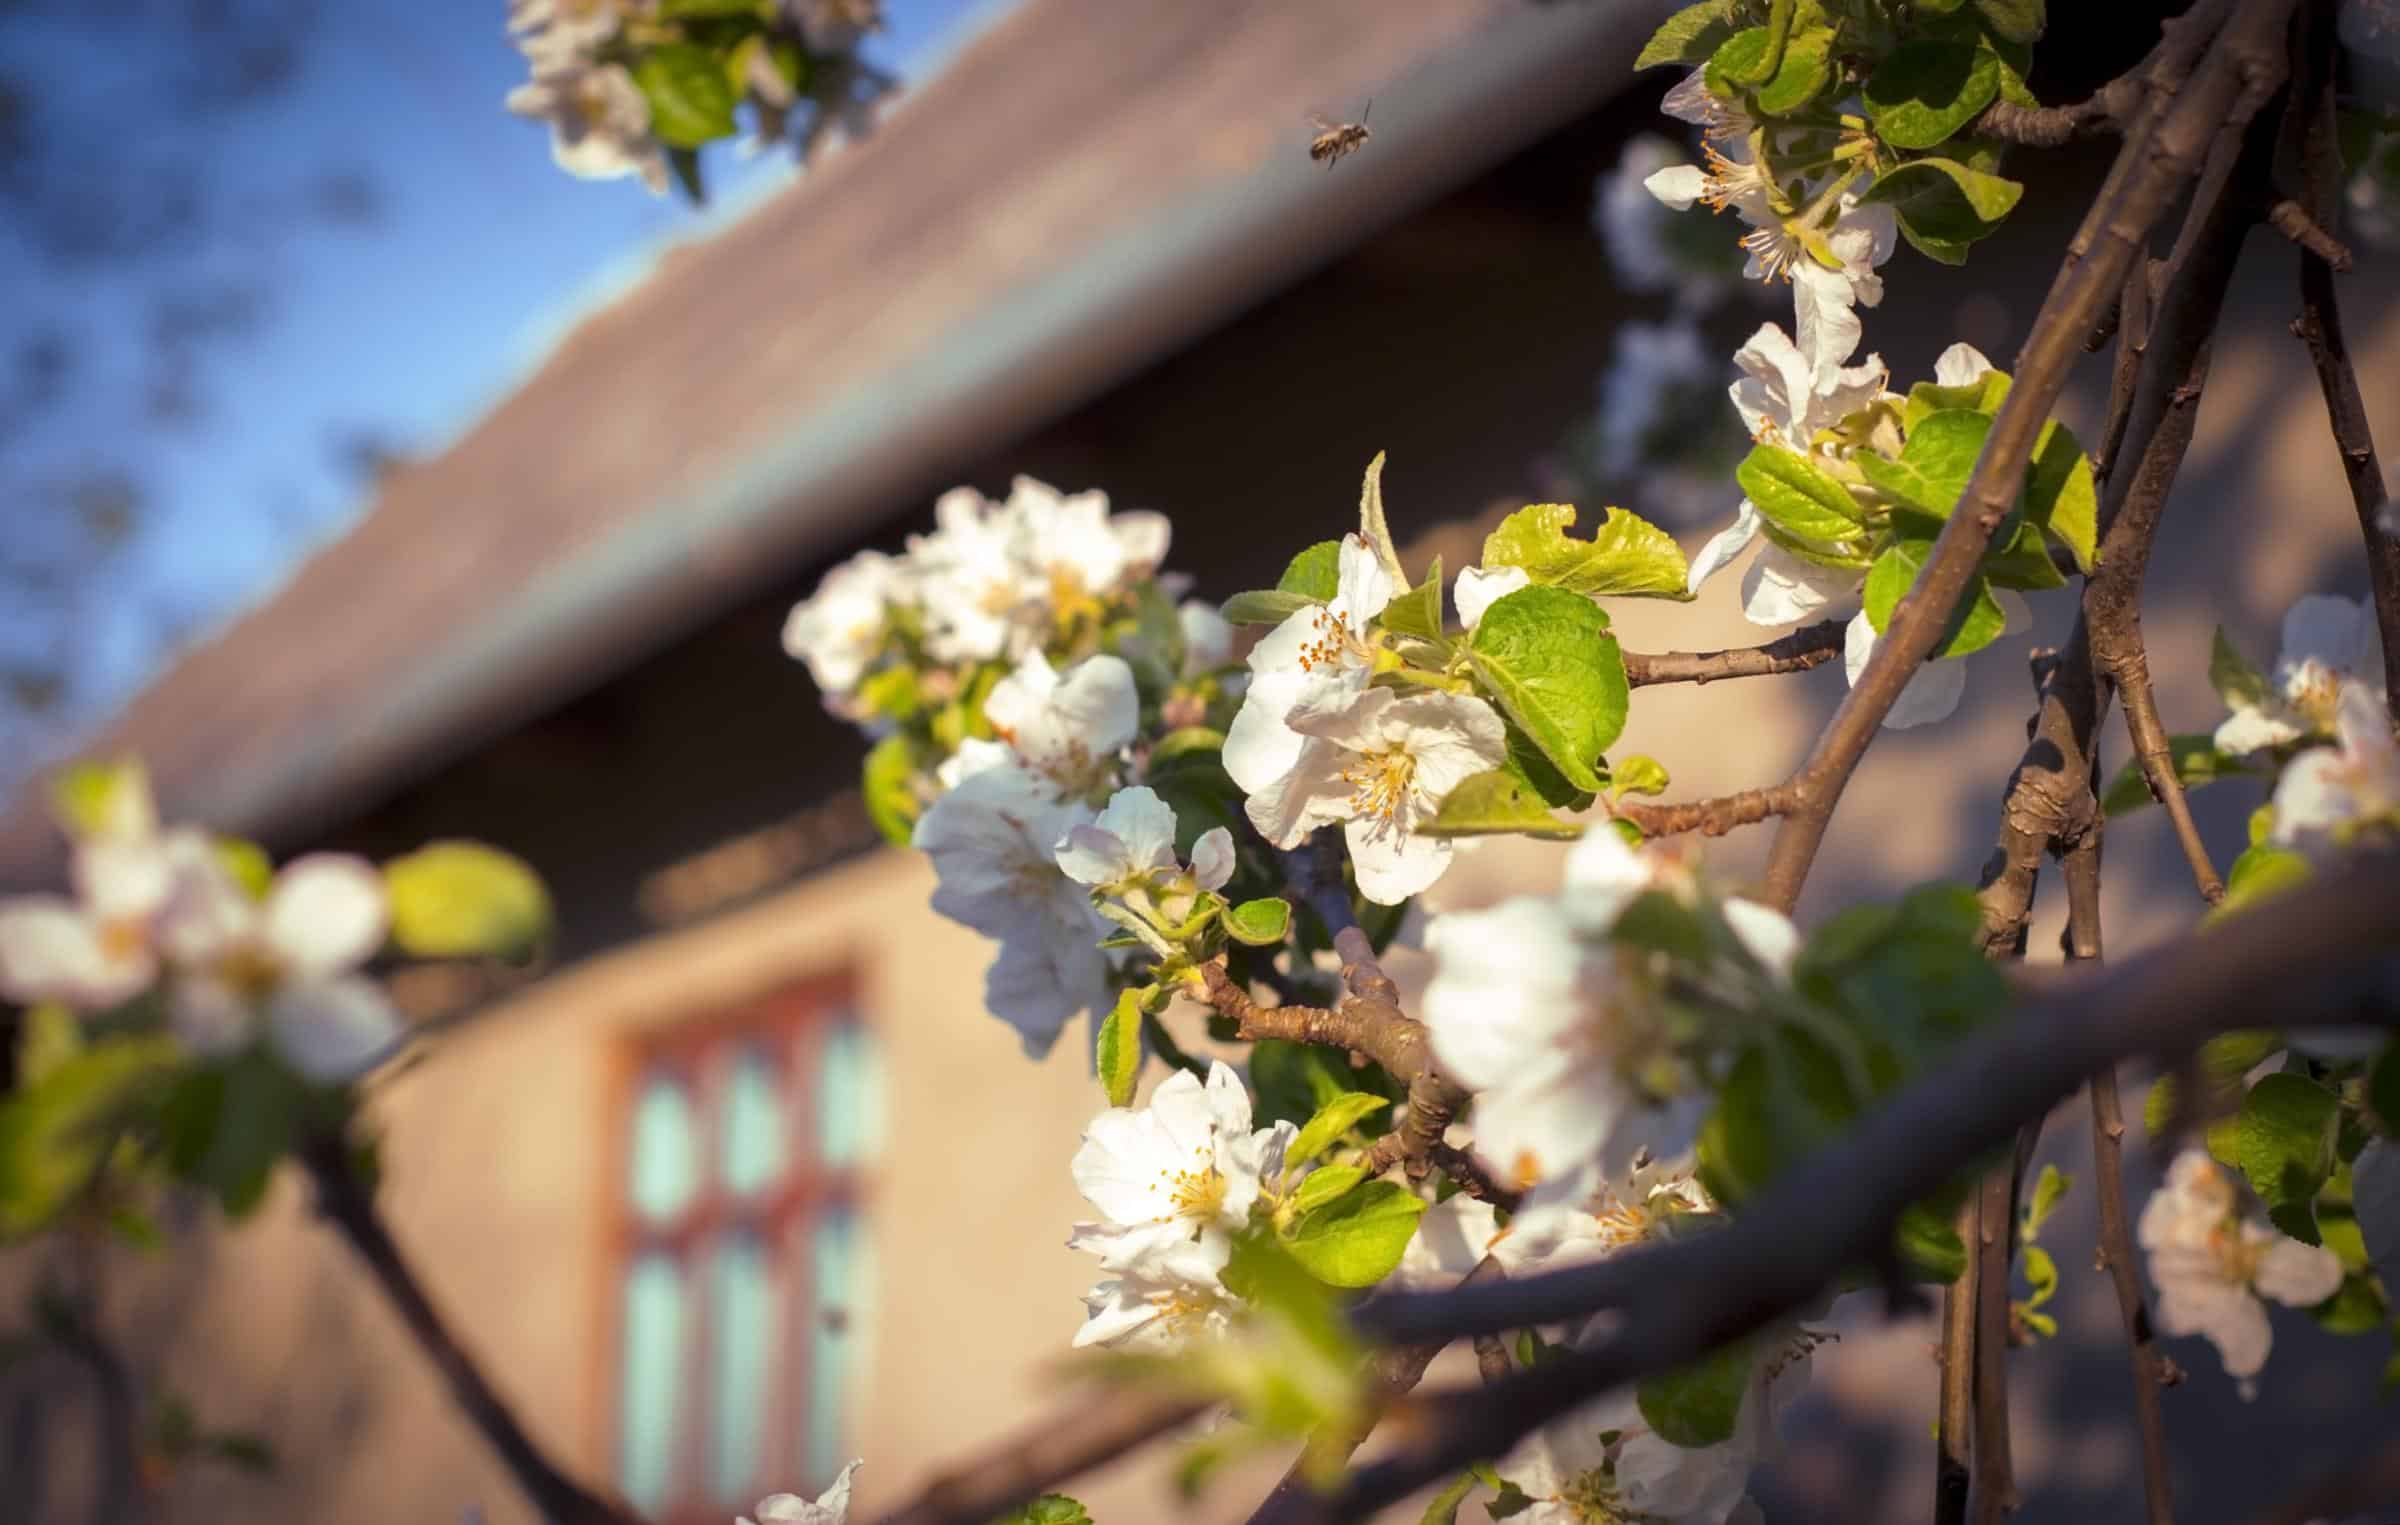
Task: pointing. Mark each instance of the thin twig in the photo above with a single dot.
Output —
(1994, 1247)
(2296, 223)
(1042, 1455)
(1710, 817)
(1954, 1435)
(349, 1203)
(1807, 647)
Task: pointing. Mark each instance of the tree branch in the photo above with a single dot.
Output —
(2167, 149)
(1711, 817)
(1954, 1435)
(349, 1204)
(1809, 646)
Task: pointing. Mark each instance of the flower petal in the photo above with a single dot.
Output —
(1723, 547)
(1144, 824)
(326, 914)
(1930, 695)
(50, 951)
(1678, 185)
(1782, 589)
(2297, 1275)
(1392, 864)
(1961, 365)
(1213, 858)
(1478, 588)
(333, 1030)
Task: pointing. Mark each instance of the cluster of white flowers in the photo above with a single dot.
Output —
(1315, 745)
(2213, 1266)
(599, 119)
(1172, 1182)
(165, 910)
(1553, 1027)
(2321, 707)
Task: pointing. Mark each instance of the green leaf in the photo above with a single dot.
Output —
(1795, 496)
(2197, 761)
(2041, 1276)
(1934, 465)
(1118, 1052)
(1259, 923)
(2241, 685)
(1546, 655)
(1331, 1122)
(885, 782)
(2284, 1142)
(55, 1132)
(1049, 1509)
(2022, 560)
(1806, 69)
(1745, 58)
(1689, 36)
(1497, 803)
(1356, 1240)
(1626, 556)
(1315, 574)
(1324, 1184)
(677, 9)
(690, 101)
(2356, 1307)
(465, 900)
(1697, 1405)
(1946, 202)
(1511, 1501)
(103, 799)
(1442, 1508)
(2049, 1189)
(48, 1036)
(1375, 529)
(2016, 20)
(1637, 774)
(1928, 1244)
(245, 863)
(1525, 759)
(1982, 395)
(1265, 607)
(1975, 624)
(2258, 874)
(1417, 612)
(1293, 1080)
(1927, 89)
(2058, 493)
(225, 1125)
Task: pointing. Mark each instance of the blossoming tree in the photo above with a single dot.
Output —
(1638, 1135)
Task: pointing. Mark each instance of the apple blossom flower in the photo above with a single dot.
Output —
(1377, 764)
(975, 588)
(1075, 548)
(99, 949)
(1186, 1166)
(840, 629)
(1069, 727)
(1478, 588)
(1828, 250)
(1452, 1238)
(1319, 653)
(599, 121)
(1646, 249)
(2212, 1266)
(293, 957)
(2326, 642)
(1165, 1302)
(1133, 841)
(1933, 692)
(2328, 794)
(1207, 638)
(832, 1507)
(993, 842)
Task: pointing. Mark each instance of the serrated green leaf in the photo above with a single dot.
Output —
(1929, 1246)
(1745, 58)
(690, 102)
(2239, 684)
(1265, 607)
(1442, 1508)
(1975, 624)
(1627, 555)
(2058, 494)
(54, 1133)
(1982, 395)
(1259, 923)
(1934, 465)
(1946, 203)
(1331, 1122)
(2015, 20)
(1498, 803)
(1509, 1502)
(1324, 1184)
(885, 783)
(2197, 761)
(1049, 1509)
(1315, 574)
(1118, 1050)
(1797, 497)
(1637, 774)
(462, 899)
(1802, 75)
(1690, 36)
(1546, 655)
(1927, 89)
(1697, 1405)
(2284, 1142)
(1417, 612)
(224, 1126)
(1357, 1240)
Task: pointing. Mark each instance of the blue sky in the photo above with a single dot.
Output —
(405, 326)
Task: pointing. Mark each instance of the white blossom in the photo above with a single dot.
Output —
(1186, 1167)
(293, 958)
(832, 1507)
(2326, 642)
(993, 842)
(1478, 588)
(2327, 794)
(561, 32)
(1070, 727)
(2212, 1266)
(1169, 1300)
(1641, 240)
(599, 122)
(1452, 1238)
(1377, 765)
(1132, 843)
(1207, 638)
(1074, 548)
(100, 948)
(1320, 654)
(1933, 692)
(975, 587)
(840, 629)
(1829, 252)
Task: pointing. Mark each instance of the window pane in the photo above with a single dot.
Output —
(849, 1096)
(647, 1399)
(753, 1141)
(838, 1334)
(664, 1171)
(742, 1309)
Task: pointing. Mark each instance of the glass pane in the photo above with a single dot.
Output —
(838, 1334)
(647, 1398)
(742, 1309)
(849, 1096)
(753, 1140)
(664, 1171)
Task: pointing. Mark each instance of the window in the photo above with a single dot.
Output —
(740, 1280)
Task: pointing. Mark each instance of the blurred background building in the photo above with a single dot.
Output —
(744, 1184)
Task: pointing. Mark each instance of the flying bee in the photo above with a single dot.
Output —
(1335, 139)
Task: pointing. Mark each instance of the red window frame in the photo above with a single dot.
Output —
(792, 1023)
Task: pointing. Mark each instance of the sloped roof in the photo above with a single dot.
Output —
(1088, 186)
